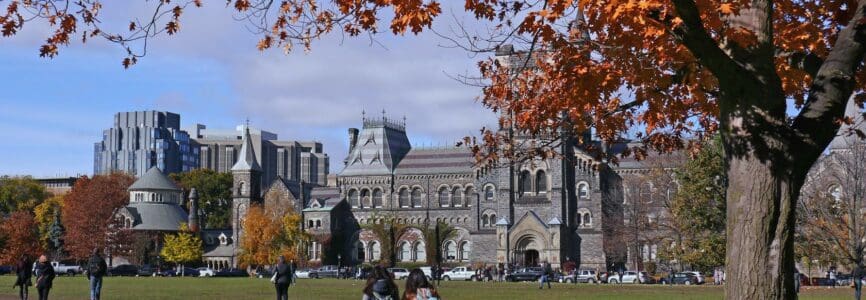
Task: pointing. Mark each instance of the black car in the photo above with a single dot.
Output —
(147, 270)
(5, 270)
(329, 271)
(684, 278)
(231, 273)
(123, 270)
(525, 274)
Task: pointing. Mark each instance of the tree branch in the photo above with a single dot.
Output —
(696, 38)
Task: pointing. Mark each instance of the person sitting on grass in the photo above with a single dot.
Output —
(418, 288)
(380, 286)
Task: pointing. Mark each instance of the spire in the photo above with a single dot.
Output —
(247, 157)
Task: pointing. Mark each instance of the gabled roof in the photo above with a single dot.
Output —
(156, 216)
(247, 156)
(153, 179)
(532, 215)
(380, 147)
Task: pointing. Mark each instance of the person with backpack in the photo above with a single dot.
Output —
(96, 269)
(44, 277)
(282, 278)
(418, 288)
(24, 272)
(380, 286)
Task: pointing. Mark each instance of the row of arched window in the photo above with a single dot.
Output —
(533, 184)
(414, 197)
(456, 197)
(488, 219)
(415, 251)
(584, 218)
(154, 197)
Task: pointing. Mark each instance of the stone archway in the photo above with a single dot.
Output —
(527, 250)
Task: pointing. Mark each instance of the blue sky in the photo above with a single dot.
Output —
(53, 110)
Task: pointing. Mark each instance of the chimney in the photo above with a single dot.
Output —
(193, 210)
(353, 138)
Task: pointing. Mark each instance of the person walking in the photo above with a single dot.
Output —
(282, 278)
(380, 286)
(44, 277)
(857, 277)
(418, 288)
(96, 269)
(832, 276)
(437, 274)
(24, 273)
(796, 281)
(546, 273)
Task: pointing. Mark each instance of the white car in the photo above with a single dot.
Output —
(205, 272)
(698, 275)
(459, 273)
(399, 273)
(629, 277)
(304, 273)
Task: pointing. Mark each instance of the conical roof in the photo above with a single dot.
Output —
(247, 157)
(153, 179)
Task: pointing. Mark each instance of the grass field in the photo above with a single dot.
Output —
(246, 288)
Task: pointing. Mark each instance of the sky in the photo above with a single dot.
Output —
(52, 111)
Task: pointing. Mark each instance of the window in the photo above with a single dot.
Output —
(242, 188)
(484, 221)
(420, 251)
(525, 183)
(365, 198)
(416, 197)
(470, 196)
(444, 198)
(377, 198)
(464, 251)
(587, 219)
(375, 250)
(583, 190)
(450, 251)
(457, 197)
(540, 182)
(318, 224)
(311, 224)
(353, 198)
(405, 252)
(404, 197)
(492, 220)
(489, 193)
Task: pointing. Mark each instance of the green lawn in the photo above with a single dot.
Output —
(246, 288)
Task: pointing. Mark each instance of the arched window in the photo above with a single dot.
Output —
(361, 251)
(540, 182)
(457, 197)
(420, 251)
(525, 182)
(377, 198)
(484, 221)
(470, 196)
(318, 223)
(311, 224)
(416, 197)
(404, 197)
(583, 190)
(450, 251)
(375, 251)
(489, 193)
(579, 219)
(365, 198)
(405, 253)
(492, 220)
(444, 198)
(242, 188)
(353, 198)
(464, 251)
(587, 219)
(152, 197)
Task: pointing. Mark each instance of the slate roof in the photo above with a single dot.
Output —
(216, 249)
(153, 179)
(156, 216)
(247, 156)
(437, 161)
(381, 145)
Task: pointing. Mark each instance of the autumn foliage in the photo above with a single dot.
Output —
(88, 211)
(182, 247)
(267, 235)
(21, 236)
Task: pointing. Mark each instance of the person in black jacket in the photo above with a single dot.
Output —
(282, 278)
(24, 271)
(44, 277)
(96, 268)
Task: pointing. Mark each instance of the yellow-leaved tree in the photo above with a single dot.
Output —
(268, 234)
(182, 247)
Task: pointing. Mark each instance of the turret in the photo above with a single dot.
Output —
(193, 211)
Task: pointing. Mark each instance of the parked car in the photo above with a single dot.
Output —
(603, 277)
(205, 272)
(61, 269)
(329, 271)
(185, 272)
(684, 278)
(306, 273)
(525, 274)
(629, 277)
(428, 271)
(698, 275)
(5, 270)
(123, 270)
(805, 280)
(231, 273)
(459, 273)
(583, 276)
(147, 270)
(399, 273)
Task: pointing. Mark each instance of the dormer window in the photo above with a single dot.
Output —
(224, 240)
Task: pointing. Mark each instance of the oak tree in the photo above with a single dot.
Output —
(22, 238)
(269, 234)
(182, 247)
(89, 211)
(20, 193)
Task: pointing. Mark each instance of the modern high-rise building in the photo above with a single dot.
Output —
(291, 160)
(139, 140)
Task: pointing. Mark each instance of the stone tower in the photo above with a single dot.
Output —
(246, 190)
